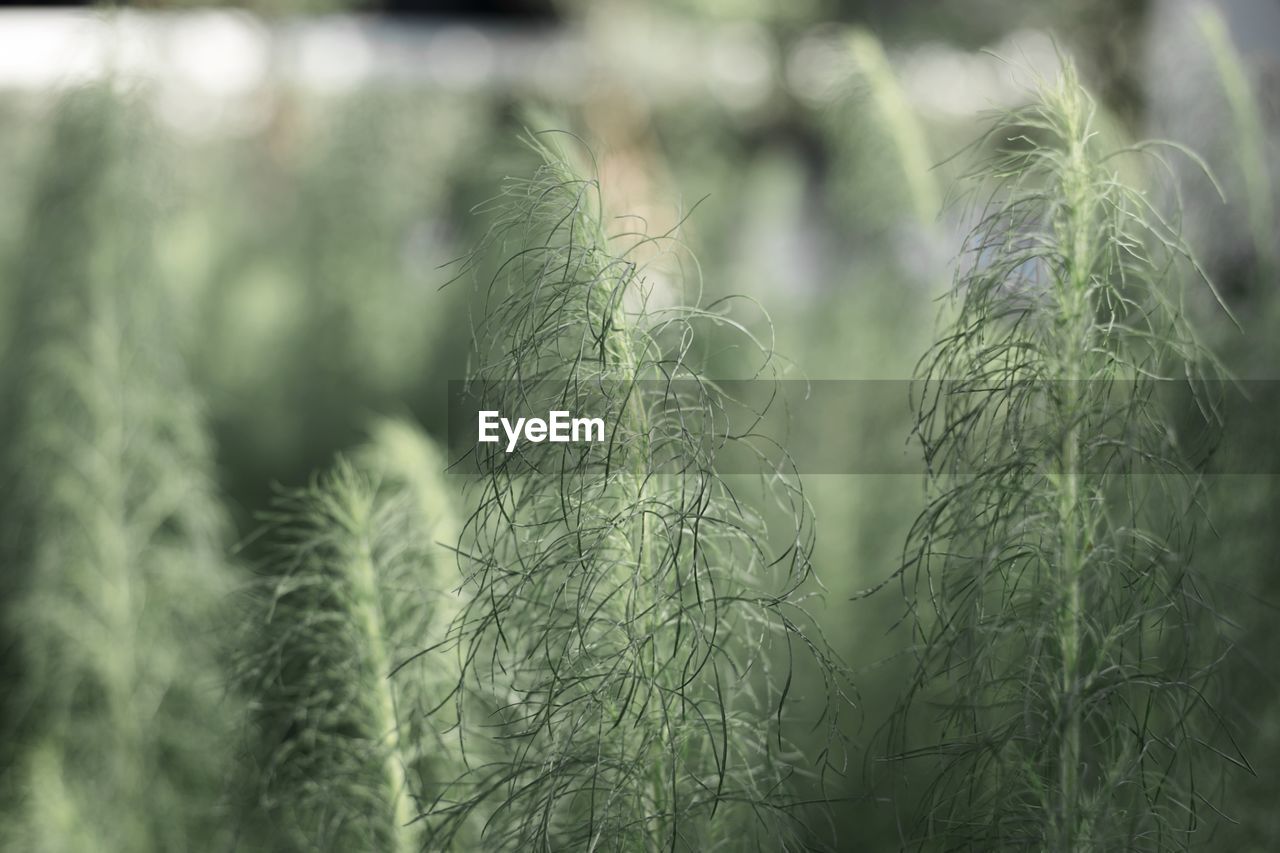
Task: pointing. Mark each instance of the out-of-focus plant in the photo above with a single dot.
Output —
(116, 719)
(1064, 640)
(1245, 505)
(313, 250)
(882, 166)
(627, 635)
(362, 580)
(22, 138)
(1249, 139)
(899, 122)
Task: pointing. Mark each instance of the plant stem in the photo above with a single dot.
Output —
(368, 611)
(1069, 747)
(1074, 348)
(627, 365)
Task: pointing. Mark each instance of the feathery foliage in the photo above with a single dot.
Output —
(627, 633)
(113, 567)
(1064, 643)
(345, 750)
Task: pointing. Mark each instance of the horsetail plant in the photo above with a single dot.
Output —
(624, 624)
(346, 752)
(1064, 644)
(114, 573)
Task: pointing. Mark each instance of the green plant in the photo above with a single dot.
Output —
(312, 250)
(1064, 641)
(1250, 139)
(113, 562)
(627, 635)
(899, 124)
(344, 752)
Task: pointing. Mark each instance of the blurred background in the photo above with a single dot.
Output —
(295, 179)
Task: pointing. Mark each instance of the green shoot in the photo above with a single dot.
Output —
(1064, 646)
(359, 584)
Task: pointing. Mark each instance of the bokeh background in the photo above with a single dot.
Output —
(293, 180)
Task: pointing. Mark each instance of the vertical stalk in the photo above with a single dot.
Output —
(626, 366)
(1073, 345)
(1071, 570)
(369, 617)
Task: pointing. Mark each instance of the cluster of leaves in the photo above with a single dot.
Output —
(1064, 639)
(625, 621)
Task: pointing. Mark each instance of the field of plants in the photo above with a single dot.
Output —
(938, 500)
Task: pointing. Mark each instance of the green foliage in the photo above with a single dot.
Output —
(627, 635)
(613, 651)
(113, 572)
(343, 749)
(1063, 637)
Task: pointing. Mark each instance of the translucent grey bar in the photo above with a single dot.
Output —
(873, 426)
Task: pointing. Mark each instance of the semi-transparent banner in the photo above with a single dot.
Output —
(863, 426)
